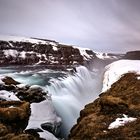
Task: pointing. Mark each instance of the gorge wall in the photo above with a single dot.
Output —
(119, 103)
(115, 114)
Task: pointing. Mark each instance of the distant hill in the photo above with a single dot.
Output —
(133, 55)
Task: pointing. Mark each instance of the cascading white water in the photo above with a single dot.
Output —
(70, 94)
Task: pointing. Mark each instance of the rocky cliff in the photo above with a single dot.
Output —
(29, 51)
(49, 53)
(115, 115)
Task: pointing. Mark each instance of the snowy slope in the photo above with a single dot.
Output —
(24, 39)
(89, 54)
(85, 54)
(28, 51)
(16, 50)
(116, 69)
(105, 56)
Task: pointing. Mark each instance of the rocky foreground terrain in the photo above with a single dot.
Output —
(121, 105)
(115, 115)
(26, 113)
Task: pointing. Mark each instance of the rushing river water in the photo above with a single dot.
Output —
(70, 93)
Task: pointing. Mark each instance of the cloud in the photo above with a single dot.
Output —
(112, 25)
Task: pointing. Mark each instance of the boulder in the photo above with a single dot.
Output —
(33, 94)
(9, 81)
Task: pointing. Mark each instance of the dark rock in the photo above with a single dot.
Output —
(9, 81)
(34, 132)
(31, 95)
(52, 128)
(3, 130)
(10, 87)
(109, 104)
(133, 55)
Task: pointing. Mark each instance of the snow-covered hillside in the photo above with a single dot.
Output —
(33, 51)
(104, 56)
(116, 69)
(26, 39)
(88, 54)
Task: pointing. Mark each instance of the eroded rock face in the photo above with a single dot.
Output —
(123, 99)
(52, 54)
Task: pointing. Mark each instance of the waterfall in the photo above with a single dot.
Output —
(71, 94)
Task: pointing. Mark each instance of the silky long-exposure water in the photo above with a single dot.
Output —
(69, 92)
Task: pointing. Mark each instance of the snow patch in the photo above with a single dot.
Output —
(41, 113)
(138, 78)
(55, 48)
(105, 56)
(115, 70)
(27, 39)
(21, 39)
(84, 53)
(23, 54)
(21, 85)
(8, 96)
(35, 87)
(121, 121)
(10, 52)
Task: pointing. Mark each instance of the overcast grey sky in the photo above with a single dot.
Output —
(103, 25)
